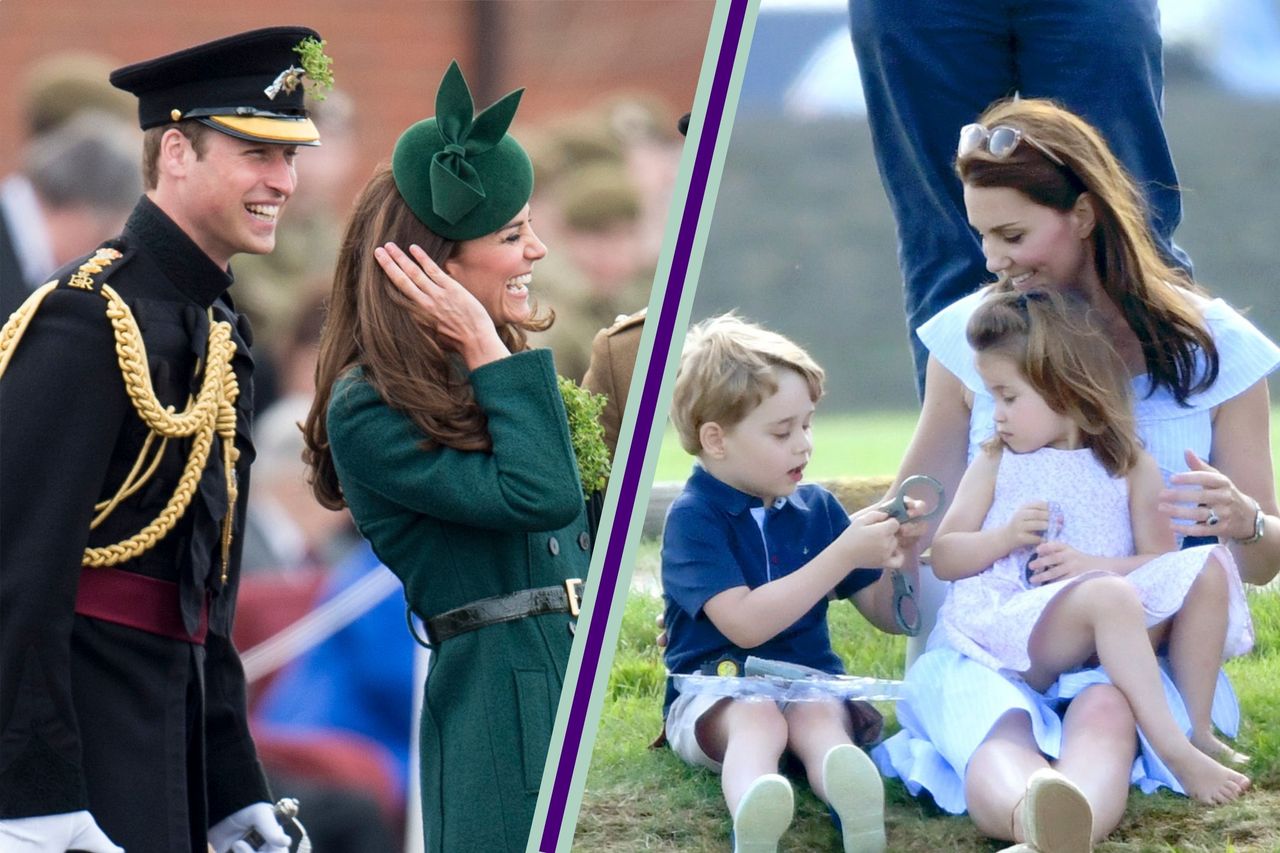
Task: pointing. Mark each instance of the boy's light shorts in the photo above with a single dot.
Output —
(688, 708)
(682, 728)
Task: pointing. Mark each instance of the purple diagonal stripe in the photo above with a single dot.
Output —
(644, 424)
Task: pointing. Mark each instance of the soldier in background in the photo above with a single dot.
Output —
(599, 269)
(614, 350)
(613, 360)
(64, 84)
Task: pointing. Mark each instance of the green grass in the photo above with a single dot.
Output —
(854, 445)
(844, 446)
(642, 799)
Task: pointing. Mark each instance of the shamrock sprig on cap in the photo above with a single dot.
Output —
(317, 64)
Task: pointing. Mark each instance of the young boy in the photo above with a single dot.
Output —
(749, 558)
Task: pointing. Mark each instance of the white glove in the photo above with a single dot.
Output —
(55, 833)
(225, 836)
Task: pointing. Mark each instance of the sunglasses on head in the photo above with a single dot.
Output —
(999, 141)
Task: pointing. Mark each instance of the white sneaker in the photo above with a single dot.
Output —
(855, 793)
(763, 814)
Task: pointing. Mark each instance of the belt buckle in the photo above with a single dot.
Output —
(573, 589)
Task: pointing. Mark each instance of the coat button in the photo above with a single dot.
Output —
(584, 540)
(553, 545)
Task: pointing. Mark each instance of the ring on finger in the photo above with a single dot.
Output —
(1212, 519)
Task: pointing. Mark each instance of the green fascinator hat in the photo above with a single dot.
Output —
(462, 174)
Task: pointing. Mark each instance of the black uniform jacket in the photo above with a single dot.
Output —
(89, 708)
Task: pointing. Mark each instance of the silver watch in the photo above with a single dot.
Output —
(1259, 525)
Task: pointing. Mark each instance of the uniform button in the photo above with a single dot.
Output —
(584, 540)
(553, 545)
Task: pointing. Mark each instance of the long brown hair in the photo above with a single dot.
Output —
(1134, 275)
(1060, 349)
(371, 324)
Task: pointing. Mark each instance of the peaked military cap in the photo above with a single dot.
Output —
(248, 85)
(462, 174)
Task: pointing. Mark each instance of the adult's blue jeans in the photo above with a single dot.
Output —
(929, 67)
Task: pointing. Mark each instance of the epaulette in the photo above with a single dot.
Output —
(626, 321)
(98, 267)
(89, 276)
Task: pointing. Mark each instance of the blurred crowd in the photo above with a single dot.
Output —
(79, 175)
(602, 190)
(333, 723)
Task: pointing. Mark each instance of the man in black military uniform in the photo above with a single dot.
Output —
(125, 406)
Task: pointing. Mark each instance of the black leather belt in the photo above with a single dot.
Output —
(565, 598)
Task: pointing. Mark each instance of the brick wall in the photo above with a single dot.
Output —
(389, 54)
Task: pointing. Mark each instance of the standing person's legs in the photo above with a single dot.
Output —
(928, 68)
(1102, 59)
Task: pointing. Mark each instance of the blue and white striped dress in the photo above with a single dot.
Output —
(951, 701)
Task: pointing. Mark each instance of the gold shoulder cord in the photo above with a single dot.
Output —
(212, 410)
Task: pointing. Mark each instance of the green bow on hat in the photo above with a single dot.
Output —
(462, 174)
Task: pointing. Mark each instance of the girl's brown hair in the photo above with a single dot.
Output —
(1134, 275)
(371, 324)
(1061, 350)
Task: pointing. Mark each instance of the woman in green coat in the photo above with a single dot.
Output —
(446, 436)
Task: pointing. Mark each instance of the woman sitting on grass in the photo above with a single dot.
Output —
(1056, 211)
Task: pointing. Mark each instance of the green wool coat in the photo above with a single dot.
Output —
(457, 526)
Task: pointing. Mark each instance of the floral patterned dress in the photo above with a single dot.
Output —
(990, 616)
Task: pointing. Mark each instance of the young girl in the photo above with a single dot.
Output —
(1065, 438)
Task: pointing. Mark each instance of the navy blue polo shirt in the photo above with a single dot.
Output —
(712, 542)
